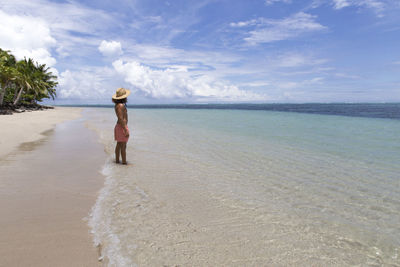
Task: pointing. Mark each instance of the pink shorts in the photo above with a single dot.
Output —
(119, 135)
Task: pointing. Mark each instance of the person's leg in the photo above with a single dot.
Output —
(117, 152)
(123, 152)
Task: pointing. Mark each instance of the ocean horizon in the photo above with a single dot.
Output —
(369, 110)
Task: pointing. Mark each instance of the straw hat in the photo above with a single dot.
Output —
(121, 93)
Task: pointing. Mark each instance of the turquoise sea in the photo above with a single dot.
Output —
(242, 187)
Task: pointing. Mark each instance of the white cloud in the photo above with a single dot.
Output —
(316, 80)
(256, 84)
(377, 6)
(270, 2)
(87, 83)
(75, 16)
(27, 36)
(63, 21)
(109, 49)
(244, 23)
(297, 84)
(74, 85)
(338, 4)
(179, 83)
(257, 74)
(292, 60)
(164, 57)
(272, 30)
(346, 76)
(137, 24)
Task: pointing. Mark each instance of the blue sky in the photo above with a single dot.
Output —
(211, 51)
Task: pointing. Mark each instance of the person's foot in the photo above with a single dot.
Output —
(125, 163)
(117, 161)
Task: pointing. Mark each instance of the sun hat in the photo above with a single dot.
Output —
(121, 93)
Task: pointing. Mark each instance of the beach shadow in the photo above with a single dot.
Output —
(28, 146)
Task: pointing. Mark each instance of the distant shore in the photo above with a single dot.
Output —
(10, 109)
(46, 190)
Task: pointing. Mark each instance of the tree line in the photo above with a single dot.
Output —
(24, 81)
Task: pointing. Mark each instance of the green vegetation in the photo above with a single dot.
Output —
(24, 82)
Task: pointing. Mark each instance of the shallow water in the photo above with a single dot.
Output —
(249, 188)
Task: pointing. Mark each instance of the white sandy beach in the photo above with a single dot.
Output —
(29, 126)
(45, 190)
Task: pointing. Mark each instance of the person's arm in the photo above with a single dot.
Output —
(121, 120)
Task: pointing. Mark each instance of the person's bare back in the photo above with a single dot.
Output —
(122, 114)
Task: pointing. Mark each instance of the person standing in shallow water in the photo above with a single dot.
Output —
(121, 131)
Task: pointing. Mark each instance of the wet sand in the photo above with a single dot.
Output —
(47, 188)
(25, 127)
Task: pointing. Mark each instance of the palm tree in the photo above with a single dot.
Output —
(44, 84)
(25, 78)
(30, 81)
(7, 72)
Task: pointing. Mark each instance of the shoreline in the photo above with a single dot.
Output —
(47, 189)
